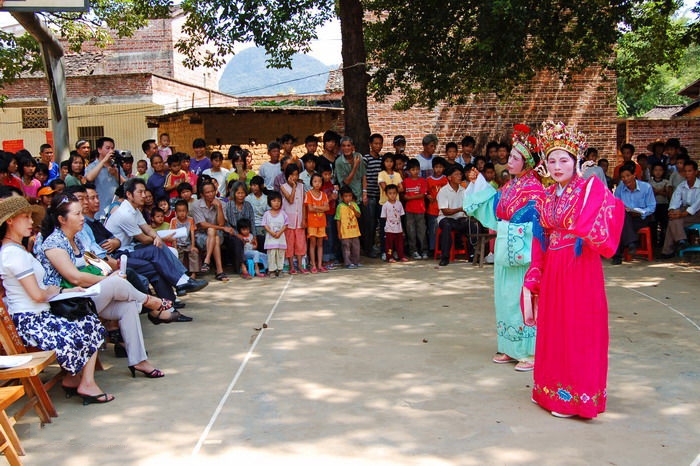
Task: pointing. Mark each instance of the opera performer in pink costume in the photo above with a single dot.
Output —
(513, 214)
(564, 290)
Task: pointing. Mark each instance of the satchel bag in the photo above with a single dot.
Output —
(73, 308)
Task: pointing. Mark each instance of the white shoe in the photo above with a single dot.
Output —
(416, 256)
(489, 258)
(384, 256)
(563, 416)
(425, 256)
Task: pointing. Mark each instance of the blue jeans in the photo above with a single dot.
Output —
(331, 245)
(431, 225)
(369, 219)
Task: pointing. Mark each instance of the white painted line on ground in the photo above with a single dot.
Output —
(666, 305)
(696, 461)
(240, 370)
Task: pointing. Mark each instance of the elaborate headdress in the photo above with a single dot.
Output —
(559, 136)
(524, 144)
(554, 136)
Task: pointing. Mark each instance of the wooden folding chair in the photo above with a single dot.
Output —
(28, 374)
(10, 444)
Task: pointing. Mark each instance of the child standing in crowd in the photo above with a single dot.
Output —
(293, 205)
(415, 190)
(164, 204)
(258, 200)
(158, 219)
(270, 169)
(164, 149)
(42, 173)
(489, 173)
(309, 161)
(30, 185)
(142, 170)
(329, 243)
(346, 216)
(176, 175)
(436, 181)
(186, 250)
(192, 178)
(250, 247)
(392, 210)
(386, 177)
(184, 192)
(275, 223)
(217, 172)
(316, 203)
(662, 192)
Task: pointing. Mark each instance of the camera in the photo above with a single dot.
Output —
(120, 156)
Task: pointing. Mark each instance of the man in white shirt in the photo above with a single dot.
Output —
(127, 224)
(452, 217)
(683, 210)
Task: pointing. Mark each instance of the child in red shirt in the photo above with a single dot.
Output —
(175, 177)
(415, 190)
(435, 182)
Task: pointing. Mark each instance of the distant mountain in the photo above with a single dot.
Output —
(247, 74)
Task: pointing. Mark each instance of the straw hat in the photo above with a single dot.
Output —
(15, 205)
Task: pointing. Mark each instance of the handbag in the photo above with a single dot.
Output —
(95, 266)
(73, 308)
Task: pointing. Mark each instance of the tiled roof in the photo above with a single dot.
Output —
(335, 80)
(663, 112)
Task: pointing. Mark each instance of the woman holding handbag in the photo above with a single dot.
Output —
(75, 342)
(61, 255)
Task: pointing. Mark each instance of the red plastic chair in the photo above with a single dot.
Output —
(453, 250)
(645, 247)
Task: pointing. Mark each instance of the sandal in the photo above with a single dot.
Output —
(101, 398)
(246, 276)
(501, 358)
(154, 374)
(323, 270)
(174, 316)
(292, 271)
(205, 267)
(260, 274)
(222, 277)
(303, 271)
(314, 270)
(525, 366)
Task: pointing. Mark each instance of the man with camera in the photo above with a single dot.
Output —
(104, 172)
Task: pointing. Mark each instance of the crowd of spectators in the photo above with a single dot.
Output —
(174, 217)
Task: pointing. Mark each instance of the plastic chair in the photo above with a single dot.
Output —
(694, 248)
(453, 250)
(645, 247)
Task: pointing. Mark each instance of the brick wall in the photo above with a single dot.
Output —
(641, 132)
(251, 131)
(87, 89)
(588, 101)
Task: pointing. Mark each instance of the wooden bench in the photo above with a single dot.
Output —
(482, 239)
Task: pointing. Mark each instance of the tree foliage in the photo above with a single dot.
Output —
(282, 28)
(445, 50)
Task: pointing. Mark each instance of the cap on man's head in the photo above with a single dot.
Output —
(45, 191)
(399, 139)
(430, 138)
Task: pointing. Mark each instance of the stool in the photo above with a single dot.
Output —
(480, 249)
(9, 444)
(453, 250)
(645, 247)
(694, 248)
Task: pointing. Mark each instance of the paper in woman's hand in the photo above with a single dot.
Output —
(94, 290)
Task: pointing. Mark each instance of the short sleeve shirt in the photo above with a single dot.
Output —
(448, 198)
(105, 185)
(392, 213)
(15, 264)
(349, 228)
(125, 223)
(201, 213)
(315, 219)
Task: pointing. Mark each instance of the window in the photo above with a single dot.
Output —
(35, 117)
(91, 134)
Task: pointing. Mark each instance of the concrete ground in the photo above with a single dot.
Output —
(385, 365)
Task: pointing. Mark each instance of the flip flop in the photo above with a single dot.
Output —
(222, 277)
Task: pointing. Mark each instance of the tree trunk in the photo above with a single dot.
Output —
(355, 77)
(52, 52)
